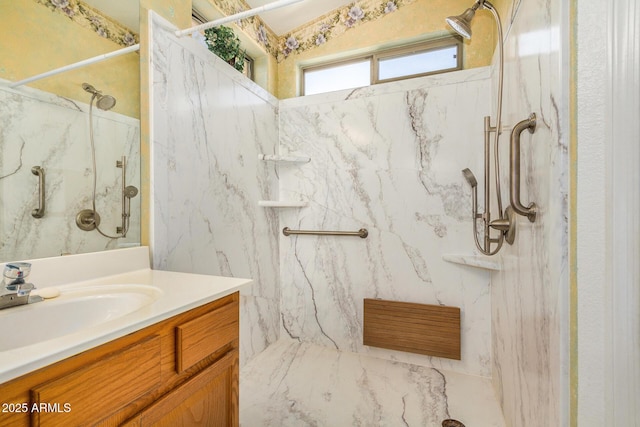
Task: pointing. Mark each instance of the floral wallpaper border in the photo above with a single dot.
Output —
(309, 36)
(314, 33)
(90, 18)
(335, 24)
(253, 27)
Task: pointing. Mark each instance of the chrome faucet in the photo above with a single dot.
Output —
(14, 290)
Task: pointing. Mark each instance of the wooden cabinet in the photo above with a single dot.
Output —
(207, 399)
(180, 372)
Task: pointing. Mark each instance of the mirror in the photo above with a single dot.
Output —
(47, 124)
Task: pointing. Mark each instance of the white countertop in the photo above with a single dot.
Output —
(179, 292)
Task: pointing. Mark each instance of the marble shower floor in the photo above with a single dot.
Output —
(301, 384)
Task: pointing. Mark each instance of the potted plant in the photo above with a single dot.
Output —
(223, 42)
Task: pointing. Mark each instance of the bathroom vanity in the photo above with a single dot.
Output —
(172, 361)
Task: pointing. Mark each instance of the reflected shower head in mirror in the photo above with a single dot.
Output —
(130, 191)
(470, 177)
(103, 102)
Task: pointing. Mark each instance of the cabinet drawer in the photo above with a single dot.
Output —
(101, 388)
(205, 335)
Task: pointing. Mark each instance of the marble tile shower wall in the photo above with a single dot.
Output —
(386, 158)
(209, 125)
(530, 294)
(41, 129)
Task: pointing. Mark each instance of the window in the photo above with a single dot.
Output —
(197, 19)
(431, 57)
(336, 77)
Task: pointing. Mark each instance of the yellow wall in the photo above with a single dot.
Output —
(419, 20)
(35, 39)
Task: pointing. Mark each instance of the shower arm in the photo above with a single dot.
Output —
(498, 128)
(504, 226)
(504, 223)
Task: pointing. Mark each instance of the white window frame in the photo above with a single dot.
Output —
(405, 50)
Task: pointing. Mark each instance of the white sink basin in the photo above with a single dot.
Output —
(75, 309)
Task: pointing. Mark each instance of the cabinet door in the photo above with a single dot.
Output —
(99, 389)
(208, 399)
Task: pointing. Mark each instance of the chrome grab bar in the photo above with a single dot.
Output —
(39, 172)
(363, 233)
(514, 178)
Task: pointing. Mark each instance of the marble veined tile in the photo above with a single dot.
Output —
(41, 129)
(300, 384)
(325, 279)
(208, 133)
(391, 163)
(209, 126)
(529, 294)
(444, 79)
(402, 130)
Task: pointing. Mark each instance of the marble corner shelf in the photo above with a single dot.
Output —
(283, 159)
(279, 204)
(477, 261)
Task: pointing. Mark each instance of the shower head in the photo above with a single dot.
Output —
(103, 102)
(130, 192)
(462, 23)
(470, 177)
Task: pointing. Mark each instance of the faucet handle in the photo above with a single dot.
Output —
(15, 273)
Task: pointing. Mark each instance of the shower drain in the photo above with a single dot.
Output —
(452, 423)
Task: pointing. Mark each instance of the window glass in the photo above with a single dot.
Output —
(344, 76)
(418, 63)
(429, 57)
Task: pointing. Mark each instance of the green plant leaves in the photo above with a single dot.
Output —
(223, 42)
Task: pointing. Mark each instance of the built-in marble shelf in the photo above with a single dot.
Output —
(280, 204)
(476, 261)
(283, 159)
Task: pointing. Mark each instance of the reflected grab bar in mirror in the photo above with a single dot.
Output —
(363, 233)
(39, 172)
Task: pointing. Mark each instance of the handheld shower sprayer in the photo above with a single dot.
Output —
(470, 177)
(462, 25)
(89, 219)
(130, 191)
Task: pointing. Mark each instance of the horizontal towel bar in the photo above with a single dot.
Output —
(363, 233)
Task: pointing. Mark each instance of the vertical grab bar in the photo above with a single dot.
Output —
(123, 165)
(39, 172)
(514, 179)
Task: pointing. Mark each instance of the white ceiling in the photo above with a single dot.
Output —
(290, 17)
(281, 21)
